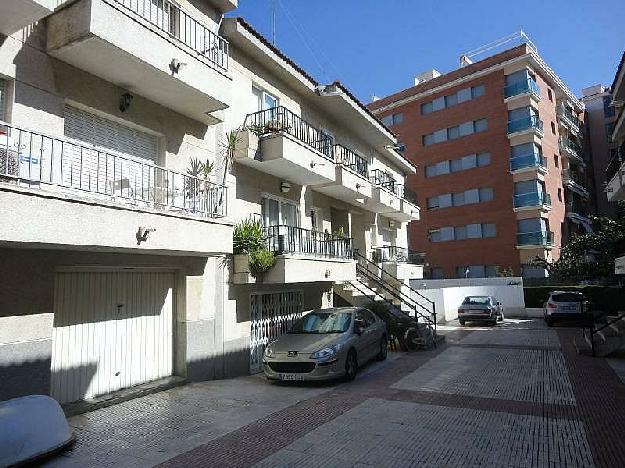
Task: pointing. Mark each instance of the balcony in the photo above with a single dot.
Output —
(156, 50)
(570, 181)
(531, 201)
(530, 124)
(531, 240)
(528, 163)
(571, 150)
(523, 88)
(103, 198)
(577, 214)
(618, 134)
(17, 14)
(387, 193)
(352, 184)
(305, 256)
(615, 175)
(281, 143)
(568, 120)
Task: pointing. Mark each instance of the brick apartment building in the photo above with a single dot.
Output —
(498, 144)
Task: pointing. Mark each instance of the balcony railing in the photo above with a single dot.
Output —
(178, 24)
(283, 239)
(389, 253)
(532, 199)
(282, 120)
(526, 123)
(347, 158)
(526, 161)
(37, 160)
(522, 87)
(614, 166)
(571, 147)
(565, 114)
(379, 178)
(539, 238)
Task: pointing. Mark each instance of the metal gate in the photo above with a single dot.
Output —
(271, 314)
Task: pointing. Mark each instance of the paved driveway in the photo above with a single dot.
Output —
(513, 395)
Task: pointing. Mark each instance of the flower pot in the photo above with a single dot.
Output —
(241, 263)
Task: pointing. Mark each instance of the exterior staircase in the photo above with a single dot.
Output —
(410, 316)
(605, 336)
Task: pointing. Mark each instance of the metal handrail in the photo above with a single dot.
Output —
(36, 160)
(283, 239)
(594, 331)
(177, 23)
(384, 180)
(359, 256)
(348, 158)
(282, 120)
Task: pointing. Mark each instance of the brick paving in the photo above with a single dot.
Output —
(513, 395)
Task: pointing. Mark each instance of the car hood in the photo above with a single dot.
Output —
(305, 342)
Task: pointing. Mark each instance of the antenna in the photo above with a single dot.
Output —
(273, 21)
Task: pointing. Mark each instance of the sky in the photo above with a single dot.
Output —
(377, 46)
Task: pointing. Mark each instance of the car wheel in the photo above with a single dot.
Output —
(383, 349)
(412, 339)
(351, 366)
(461, 322)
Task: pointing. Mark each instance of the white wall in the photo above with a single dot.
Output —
(449, 294)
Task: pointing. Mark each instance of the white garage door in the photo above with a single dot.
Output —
(112, 330)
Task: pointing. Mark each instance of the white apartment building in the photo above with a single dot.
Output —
(116, 251)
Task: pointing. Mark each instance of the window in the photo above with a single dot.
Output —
(432, 203)
(490, 271)
(435, 235)
(277, 212)
(437, 273)
(483, 159)
(460, 233)
(481, 125)
(608, 109)
(478, 91)
(550, 94)
(428, 139)
(609, 129)
(393, 119)
(560, 194)
(454, 99)
(486, 194)
(430, 171)
(553, 128)
(264, 100)
(555, 160)
(458, 199)
(427, 108)
(451, 100)
(470, 231)
(453, 133)
(489, 230)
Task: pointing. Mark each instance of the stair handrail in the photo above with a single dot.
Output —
(398, 294)
(372, 297)
(594, 331)
(358, 255)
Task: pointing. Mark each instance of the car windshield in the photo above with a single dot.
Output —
(568, 297)
(323, 322)
(476, 300)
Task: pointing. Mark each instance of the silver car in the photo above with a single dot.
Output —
(327, 344)
(565, 305)
(480, 309)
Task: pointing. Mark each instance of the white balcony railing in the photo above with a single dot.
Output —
(36, 160)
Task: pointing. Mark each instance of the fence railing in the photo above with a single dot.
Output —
(283, 239)
(525, 123)
(382, 179)
(280, 119)
(527, 160)
(180, 25)
(389, 253)
(565, 114)
(539, 238)
(522, 87)
(532, 199)
(351, 160)
(37, 160)
(615, 164)
(567, 144)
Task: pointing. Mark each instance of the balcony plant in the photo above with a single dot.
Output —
(248, 245)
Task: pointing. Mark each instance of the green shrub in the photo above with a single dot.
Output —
(261, 261)
(248, 236)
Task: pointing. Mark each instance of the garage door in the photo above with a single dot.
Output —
(112, 330)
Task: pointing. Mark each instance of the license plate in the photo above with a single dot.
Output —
(291, 377)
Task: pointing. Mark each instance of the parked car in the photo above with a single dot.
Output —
(327, 344)
(565, 306)
(480, 309)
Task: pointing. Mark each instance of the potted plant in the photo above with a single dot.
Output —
(260, 262)
(248, 237)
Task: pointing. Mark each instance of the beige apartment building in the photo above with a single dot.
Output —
(117, 252)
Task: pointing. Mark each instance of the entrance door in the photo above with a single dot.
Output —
(271, 315)
(112, 330)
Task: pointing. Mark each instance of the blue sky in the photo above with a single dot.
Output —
(377, 46)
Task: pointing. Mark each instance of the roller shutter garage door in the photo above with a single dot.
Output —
(112, 330)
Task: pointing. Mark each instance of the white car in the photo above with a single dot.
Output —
(565, 305)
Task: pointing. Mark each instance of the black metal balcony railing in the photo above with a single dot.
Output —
(283, 239)
(351, 160)
(280, 119)
(37, 160)
(177, 23)
(389, 253)
(384, 180)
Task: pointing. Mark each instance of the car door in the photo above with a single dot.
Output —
(372, 334)
(360, 342)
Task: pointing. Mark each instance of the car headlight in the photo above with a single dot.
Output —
(327, 353)
(269, 352)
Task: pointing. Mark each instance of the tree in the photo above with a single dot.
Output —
(590, 256)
